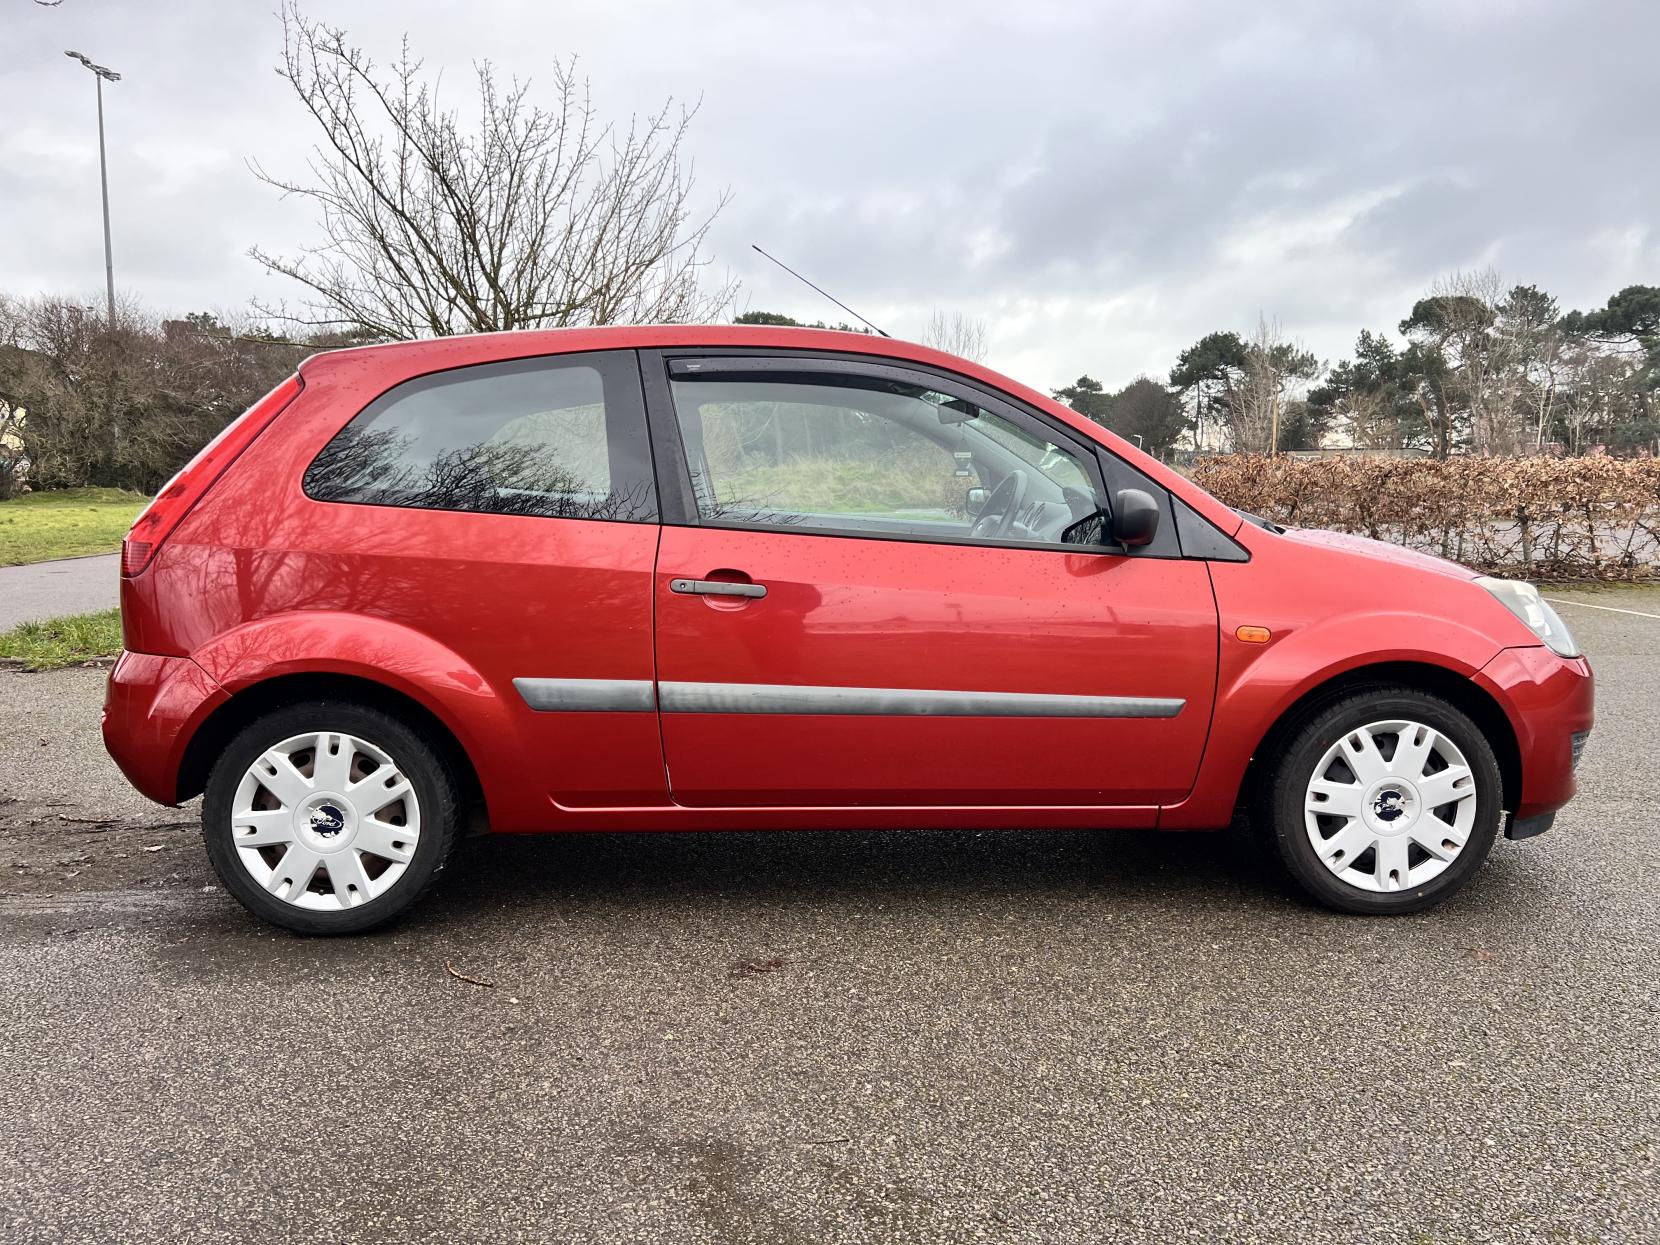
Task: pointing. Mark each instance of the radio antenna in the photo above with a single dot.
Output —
(826, 293)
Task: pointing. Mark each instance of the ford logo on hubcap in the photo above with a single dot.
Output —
(1389, 805)
(327, 821)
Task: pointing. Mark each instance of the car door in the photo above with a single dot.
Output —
(878, 587)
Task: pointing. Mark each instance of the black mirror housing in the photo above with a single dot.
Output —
(1135, 517)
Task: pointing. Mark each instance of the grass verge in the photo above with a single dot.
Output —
(59, 642)
(68, 523)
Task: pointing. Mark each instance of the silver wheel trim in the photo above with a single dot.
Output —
(1390, 806)
(325, 821)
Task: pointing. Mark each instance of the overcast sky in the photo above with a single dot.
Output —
(1101, 183)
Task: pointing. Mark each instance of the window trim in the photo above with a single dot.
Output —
(632, 405)
(678, 497)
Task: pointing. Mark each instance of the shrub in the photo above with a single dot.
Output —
(123, 407)
(1545, 518)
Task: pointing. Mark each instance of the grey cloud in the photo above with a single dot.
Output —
(1101, 184)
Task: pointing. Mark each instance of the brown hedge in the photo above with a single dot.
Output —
(1545, 518)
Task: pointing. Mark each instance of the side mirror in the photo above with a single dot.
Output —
(1089, 530)
(1135, 517)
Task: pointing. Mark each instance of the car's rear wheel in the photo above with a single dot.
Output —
(1384, 802)
(329, 817)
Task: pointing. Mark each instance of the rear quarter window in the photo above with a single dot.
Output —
(560, 437)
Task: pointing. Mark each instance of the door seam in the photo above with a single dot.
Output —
(1215, 695)
(656, 696)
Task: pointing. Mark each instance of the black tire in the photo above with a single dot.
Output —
(436, 789)
(1279, 814)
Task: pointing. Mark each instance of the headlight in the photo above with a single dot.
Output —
(1524, 601)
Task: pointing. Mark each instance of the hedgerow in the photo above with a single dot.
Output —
(1544, 518)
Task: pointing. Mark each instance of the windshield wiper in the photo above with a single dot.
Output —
(1266, 525)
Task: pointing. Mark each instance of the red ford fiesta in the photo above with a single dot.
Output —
(700, 578)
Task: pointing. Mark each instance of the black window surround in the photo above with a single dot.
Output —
(632, 485)
(647, 455)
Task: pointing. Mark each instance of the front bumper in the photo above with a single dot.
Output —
(1550, 702)
(152, 707)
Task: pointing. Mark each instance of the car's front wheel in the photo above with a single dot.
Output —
(329, 817)
(1384, 802)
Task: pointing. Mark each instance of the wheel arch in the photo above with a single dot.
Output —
(1463, 693)
(255, 700)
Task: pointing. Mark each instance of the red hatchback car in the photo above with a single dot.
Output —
(715, 578)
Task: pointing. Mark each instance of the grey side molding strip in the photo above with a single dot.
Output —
(587, 695)
(903, 702)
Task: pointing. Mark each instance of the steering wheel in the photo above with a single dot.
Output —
(997, 517)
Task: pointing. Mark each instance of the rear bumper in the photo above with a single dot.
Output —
(1549, 700)
(152, 706)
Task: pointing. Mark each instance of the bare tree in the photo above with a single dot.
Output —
(1459, 320)
(957, 334)
(1369, 419)
(1600, 390)
(1274, 368)
(533, 218)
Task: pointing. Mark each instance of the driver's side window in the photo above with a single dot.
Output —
(876, 457)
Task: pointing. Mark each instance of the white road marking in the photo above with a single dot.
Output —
(1610, 608)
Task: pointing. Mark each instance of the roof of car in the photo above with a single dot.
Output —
(432, 354)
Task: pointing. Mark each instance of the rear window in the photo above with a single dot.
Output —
(560, 437)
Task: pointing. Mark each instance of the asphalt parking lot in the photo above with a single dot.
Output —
(828, 1037)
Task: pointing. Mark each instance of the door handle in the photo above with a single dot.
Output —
(716, 588)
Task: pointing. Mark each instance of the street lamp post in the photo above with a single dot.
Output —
(101, 75)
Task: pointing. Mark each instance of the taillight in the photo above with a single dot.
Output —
(187, 488)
